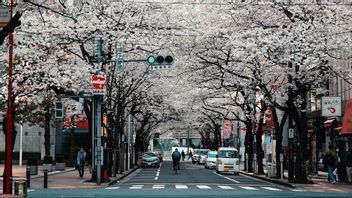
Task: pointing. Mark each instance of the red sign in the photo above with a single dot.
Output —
(347, 119)
(98, 82)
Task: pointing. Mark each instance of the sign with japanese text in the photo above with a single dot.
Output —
(5, 16)
(347, 119)
(330, 106)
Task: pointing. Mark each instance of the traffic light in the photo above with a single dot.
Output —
(158, 60)
(59, 109)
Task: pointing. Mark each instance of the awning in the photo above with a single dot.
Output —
(328, 123)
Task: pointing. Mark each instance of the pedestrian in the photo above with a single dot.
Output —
(348, 161)
(183, 155)
(190, 155)
(81, 160)
(330, 161)
(89, 160)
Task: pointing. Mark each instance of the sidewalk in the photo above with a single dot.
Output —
(320, 183)
(67, 179)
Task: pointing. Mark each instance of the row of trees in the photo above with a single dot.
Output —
(268, 56)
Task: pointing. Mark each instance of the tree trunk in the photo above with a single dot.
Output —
(278, 134)
(249, 145)
(47, 119)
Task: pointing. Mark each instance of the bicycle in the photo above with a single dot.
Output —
(176, 165)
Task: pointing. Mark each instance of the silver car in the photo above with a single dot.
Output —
(150, 159)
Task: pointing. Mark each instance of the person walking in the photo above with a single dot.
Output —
(183, 155)
(190, 155)
(348, 161)
(81, 160)
(330, 161)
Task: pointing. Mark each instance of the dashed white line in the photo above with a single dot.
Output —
(203, 187)
(112, 188)
(227, 178)
(270, 188)
(298, 190)
(226, 187)
(158, 172)
(136, 187)
(179, 186)
(248, 188)
(158, 186)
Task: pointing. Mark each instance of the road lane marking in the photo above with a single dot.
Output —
(270, 188)
(158, 172)
(158, 186)
(112, 188)
(203, 187)
(30, 190)
(179, 186)
(248, 188)
(226, 187)
(136, 187)
(227, 178)
(298, 190)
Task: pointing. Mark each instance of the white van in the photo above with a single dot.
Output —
(228, 160)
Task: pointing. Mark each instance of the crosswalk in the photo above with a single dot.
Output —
(193, 186)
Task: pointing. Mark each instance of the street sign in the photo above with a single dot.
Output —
(98, 91)
(98, 82)
(5, 16)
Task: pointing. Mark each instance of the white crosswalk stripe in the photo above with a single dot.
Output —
(226, 187)
(270, 188)
(158, 186)
(136, 187)
(248, 188)
(179, 186)
(203, 187)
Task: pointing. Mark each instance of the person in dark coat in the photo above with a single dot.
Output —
(81, 160)
(348, 161)
(331, 162)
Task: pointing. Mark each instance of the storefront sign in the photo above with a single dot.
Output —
(331, 106)
(347, 119)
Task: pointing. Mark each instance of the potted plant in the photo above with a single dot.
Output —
(32, 163)
(60, 162)
(48, 163)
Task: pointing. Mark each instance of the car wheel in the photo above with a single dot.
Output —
(193, 162)
(217, 171)
(236, 173)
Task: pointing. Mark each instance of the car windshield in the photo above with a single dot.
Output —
(149, 155)
(212, 155)
(228, 154)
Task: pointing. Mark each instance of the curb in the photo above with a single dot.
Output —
(116, 180)
(269, 180)
(53, 173)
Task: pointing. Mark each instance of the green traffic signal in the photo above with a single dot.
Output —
(160, 60)
(151, 60)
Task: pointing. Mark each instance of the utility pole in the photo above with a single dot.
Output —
(8, 148)
(290, 133)
(188, 142)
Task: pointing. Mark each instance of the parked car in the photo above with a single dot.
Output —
(150, 159)
(227, 160)
(202, 154)
(210, 160)
(195, 156)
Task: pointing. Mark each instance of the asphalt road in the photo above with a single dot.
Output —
(191, 181)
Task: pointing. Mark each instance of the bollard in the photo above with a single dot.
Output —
(282, 166)
(247, 168)
(45, 178)
(21, 187)
(255, 163)
(28, 177)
